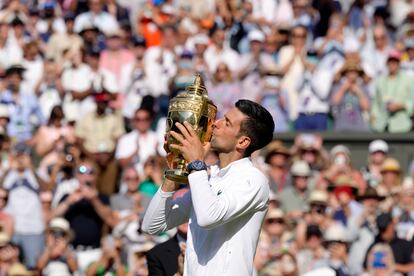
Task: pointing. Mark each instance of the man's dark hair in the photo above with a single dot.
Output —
(258, 125)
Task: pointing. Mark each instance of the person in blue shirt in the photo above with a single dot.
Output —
(24, 109)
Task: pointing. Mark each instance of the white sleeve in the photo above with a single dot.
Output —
(212, 210)
(165, 213)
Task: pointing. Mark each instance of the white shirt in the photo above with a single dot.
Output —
(214, 56)
(104, 21)
(159, 70)
(225, 212)
(24, 203)
(129, 143)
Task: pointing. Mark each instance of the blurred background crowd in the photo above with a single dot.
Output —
(84, 92)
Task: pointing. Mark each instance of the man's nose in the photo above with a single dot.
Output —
(216, 123)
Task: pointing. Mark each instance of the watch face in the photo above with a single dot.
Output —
(197, 165)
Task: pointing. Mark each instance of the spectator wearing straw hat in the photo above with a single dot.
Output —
(316, 214)
(277, 158)
(294, 198)
(344, 190)
(350, 100)
(391, 182)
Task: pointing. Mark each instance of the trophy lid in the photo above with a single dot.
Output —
(197, 87)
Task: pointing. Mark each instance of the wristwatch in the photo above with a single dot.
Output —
(196, 165)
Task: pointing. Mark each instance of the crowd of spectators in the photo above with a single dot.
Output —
(84, 92)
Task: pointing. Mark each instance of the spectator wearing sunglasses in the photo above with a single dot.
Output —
(87, 211)
(317, 215)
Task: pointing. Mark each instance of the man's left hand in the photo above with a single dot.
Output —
(190, 145)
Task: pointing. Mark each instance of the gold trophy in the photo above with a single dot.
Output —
(193, 106)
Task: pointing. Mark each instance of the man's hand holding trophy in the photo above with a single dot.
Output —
(190, 119)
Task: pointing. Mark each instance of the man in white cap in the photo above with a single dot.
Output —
(57, 258)
(294, 198)
(378, 151)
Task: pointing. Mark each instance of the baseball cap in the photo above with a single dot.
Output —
(60, 223)
(378, 145)
(256, 35)
(300, 168)
(394, 54)
(201, 39)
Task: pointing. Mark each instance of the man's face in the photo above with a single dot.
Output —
(218, 38)
(142, 121)
(86, 174)
(378, 157)
(131, 179)
(393, 66)
(226, 131)
(301, 182)
(169, 38)
(95, 6)
(14, 81)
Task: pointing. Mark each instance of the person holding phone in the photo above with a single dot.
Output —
(87, 211)
(58, 258)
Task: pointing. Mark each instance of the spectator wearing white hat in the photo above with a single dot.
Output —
(337, 243)
(377, 153)
(294, 199)
(57, 258)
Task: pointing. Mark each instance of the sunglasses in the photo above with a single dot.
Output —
(279, 221)
(85, 170)
(131, 178)
(142, 119)
(318, 209)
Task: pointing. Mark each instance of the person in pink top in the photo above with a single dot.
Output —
(118, 60)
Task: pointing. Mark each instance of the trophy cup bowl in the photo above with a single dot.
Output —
(192, 106)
